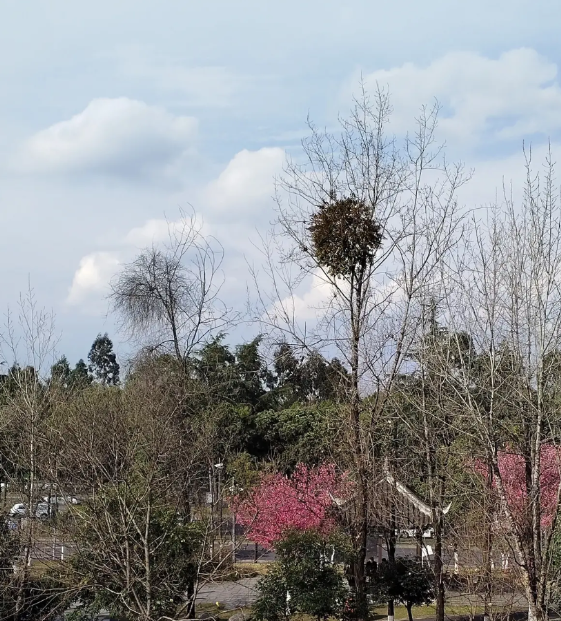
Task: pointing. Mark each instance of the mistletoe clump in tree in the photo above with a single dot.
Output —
(345, 237)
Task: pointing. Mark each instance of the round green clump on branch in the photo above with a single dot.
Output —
(345, 236)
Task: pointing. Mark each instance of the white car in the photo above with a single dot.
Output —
(20, 510)
(61, 501)
(428, 533)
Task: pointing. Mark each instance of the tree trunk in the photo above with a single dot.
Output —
(409, 611)
(391, 541)
(438, 569)
(533, 612)
(192, 600)
(361, 527)
(391, 610)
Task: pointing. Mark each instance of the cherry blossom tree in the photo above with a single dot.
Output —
(513, 473)
(302, 501)
(512, 470)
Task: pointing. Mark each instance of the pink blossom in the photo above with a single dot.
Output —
(301, 502)
(512, 468)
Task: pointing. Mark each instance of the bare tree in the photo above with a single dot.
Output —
(168, 297)
(140, 455)
(506, 293)
(372, 224)
(27, 344)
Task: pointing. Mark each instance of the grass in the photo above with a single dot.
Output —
(424, 612)
(244, 570)
(221, 613)
(39, 567)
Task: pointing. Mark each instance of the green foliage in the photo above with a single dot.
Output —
(345, 236)
(307, 379)
(103, 366)
(63, 377)
(60, 372)
(299, 434)
(406, 581)
(43, 599)
(305, 572)
(239, 378)
(243, 471)
(79, 377)
(272, 604)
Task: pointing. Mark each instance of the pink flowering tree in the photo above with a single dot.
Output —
(512, 471)
(513, 474)
(527, 485)
(300, 502)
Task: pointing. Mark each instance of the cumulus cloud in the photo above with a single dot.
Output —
(151, 232)
(157, 230)
(229, 208)
(92, 277)
(514, 95)
(246, 183)
(307, 304)
(119, 137)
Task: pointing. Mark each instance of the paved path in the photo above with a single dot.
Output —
(229, 594)
(243, 593)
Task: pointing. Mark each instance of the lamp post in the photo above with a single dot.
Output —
(232, 492)
(220, 467)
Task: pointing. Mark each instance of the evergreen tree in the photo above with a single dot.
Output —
(61, 372)
(79, 376)
(103, 366)
(308, 379)
(406, 580)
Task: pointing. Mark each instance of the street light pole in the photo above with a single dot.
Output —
(211, 491)
(233, 526)
(219, 467)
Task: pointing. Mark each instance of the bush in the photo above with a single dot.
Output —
(406, 581)
(303, 580)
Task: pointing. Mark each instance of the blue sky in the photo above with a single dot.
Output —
(114, 115)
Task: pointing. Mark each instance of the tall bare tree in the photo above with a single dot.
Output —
(370, 223)
(27, 344)
(506, 293)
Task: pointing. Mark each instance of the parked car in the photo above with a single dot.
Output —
(61, 501)
(19, 510)
(428, 532)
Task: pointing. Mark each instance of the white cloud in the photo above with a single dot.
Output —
(230, 207)
(151, 232)
(308, 305)
(514, 95)
(121, 137)
(92, 278)
(246, 185)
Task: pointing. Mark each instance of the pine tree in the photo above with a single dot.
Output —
(103, 366)
(60, 372)
(79, 376)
